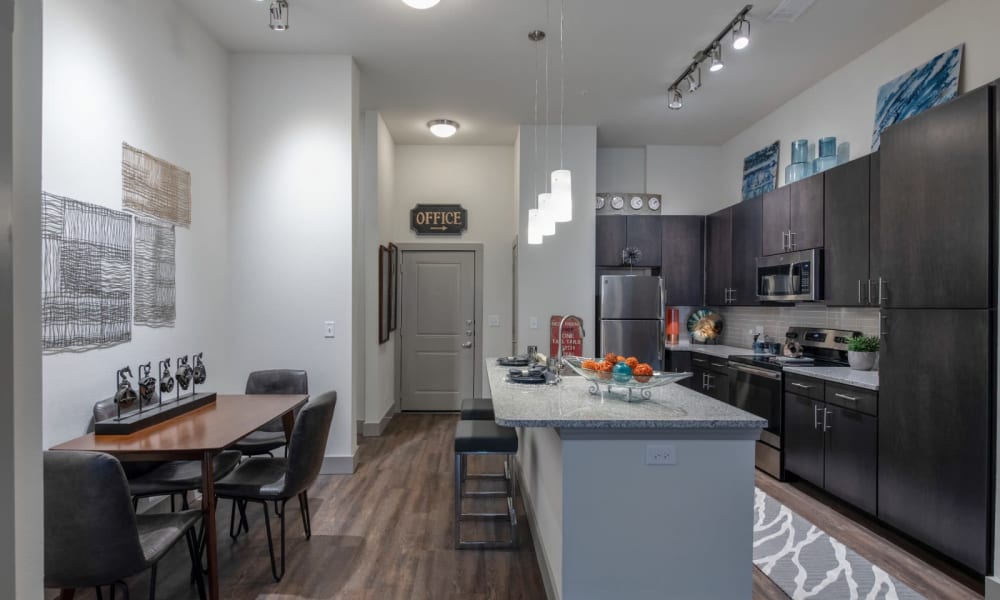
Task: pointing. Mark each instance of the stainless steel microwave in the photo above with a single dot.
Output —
(791, 277)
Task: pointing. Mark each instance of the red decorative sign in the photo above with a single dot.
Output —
(572, 337)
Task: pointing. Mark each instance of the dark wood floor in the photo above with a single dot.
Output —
(385, 532)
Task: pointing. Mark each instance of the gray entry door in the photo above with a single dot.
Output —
(438, 329)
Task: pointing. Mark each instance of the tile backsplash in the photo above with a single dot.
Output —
(739, 321)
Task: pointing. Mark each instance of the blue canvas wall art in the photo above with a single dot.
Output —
(927, 86)
(760, 171)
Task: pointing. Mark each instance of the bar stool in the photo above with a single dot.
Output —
(484, 438)
(477, 409)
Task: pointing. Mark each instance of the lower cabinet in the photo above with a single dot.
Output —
(711, 377)
(832, 446)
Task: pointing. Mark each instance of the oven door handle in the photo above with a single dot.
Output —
(776, 376)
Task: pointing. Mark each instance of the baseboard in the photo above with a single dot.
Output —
(376, 429)
(543, 563)
(338, 465)
(992, 588)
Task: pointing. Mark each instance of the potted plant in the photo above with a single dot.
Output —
(861, 352)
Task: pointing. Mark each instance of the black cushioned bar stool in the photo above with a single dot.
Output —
(485, 438)
(477, 409)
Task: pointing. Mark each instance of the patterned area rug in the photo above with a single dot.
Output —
(805, 562)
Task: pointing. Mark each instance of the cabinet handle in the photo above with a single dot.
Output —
(826, 413)
(815, 416)
(800, 386)
(791, 240)
(882, 319)
(859, 291)
(720, 366)
(846, 397)
(869, 291)
(882, 297)
(784, 241)
(732, 295)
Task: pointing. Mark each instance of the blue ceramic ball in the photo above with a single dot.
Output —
(622, 373)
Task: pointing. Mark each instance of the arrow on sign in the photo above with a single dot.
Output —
(441, 228)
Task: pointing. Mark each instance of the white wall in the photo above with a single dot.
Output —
(621, 170)
(378, 201)
(480, 178)
(557, 277)
(291, 177)
(843, 104)
(687, 177)
(170, 99)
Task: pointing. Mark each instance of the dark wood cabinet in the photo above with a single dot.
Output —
(793, 217)
(775, 221)
(935, 428)
(711, 376)
(677, 361)
(803, 439)
(611, 239)
(746, 248)
(719, 257)
(847, 253)
(682, 260)
(937, 207)
(874, 217)
(644, 233)
(851, 456)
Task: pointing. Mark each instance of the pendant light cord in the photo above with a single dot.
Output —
(562, 77)
(534, 129)
(547, 21)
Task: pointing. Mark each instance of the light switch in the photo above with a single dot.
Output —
(533, 322)
(329, 329)
(494, 320)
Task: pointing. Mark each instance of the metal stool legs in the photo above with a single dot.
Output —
(510, 493)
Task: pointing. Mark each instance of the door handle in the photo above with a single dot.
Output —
(467, 345)
(468, 323)
(815, 416)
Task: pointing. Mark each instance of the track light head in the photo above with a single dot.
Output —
(694, 79)
(279, 15)
(716, 55)
(741, 34)
(676, 101)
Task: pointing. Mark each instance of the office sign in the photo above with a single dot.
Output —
(439, 219)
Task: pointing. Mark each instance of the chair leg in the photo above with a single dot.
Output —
(172, 507)
(152, 580)
(184, 501)
(244, 523)
(459, 464)
(232, 520)
(100, 594)
(66, 594)
(135, 505)
(306, 518)
(115, 585)
(199, 581)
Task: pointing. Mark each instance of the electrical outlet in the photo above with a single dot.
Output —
(329, 329)
(665, 454)
(494, 320)
(533, 322)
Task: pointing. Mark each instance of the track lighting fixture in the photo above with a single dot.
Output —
(676, 100)
(739, 28)
(279, 15)
(741, 34)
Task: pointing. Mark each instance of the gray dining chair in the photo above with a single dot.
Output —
(92, 536)
(262, 479)
(271, 436)
(173, 478)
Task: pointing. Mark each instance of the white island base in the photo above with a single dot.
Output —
(606, 524)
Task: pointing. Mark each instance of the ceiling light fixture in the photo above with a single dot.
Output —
(443, 128)
(739, 28)
(279, 15)
(562, 178)
(421, 4)
(741, 34)
(535, 236)
(676, 100)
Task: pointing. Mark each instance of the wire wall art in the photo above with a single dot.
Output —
(86, 276)
(154, 187)
(155, 285)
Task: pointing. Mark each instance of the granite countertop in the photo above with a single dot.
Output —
(845, 375)
(569, 405)
(716, 350)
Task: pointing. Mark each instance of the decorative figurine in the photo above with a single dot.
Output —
(199, 374)
(125, 395)
(183, 375)
(147, 385)
(166, 379)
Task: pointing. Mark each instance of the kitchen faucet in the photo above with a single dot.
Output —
(559, 356)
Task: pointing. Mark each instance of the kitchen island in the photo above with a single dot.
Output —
(652, 499)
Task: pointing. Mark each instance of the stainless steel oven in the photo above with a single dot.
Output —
(791, 277)
(758, 390)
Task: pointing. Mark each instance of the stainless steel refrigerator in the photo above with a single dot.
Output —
(632, 317)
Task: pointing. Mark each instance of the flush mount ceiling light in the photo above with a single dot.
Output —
(741, 34)
(676, 100)
(421, 4)
(739, 28)
(279, 15)
(443, 128)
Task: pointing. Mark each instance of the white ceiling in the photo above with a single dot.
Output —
(471, 60)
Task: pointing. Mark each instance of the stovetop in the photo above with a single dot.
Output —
(776, 363)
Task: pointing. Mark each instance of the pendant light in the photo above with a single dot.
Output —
(535, 218)
(534, 227)
(562, 178)
(546, 209)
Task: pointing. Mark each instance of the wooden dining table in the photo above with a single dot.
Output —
(200, 434)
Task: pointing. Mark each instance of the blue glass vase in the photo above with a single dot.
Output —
(797, 171)
(800, 151)
(828, 147)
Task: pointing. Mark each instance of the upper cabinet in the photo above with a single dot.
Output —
(616, 234)
(938, 207)
(793, 216)
(719, 257)
(682, 263)
(746, 249)
(847, 224)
